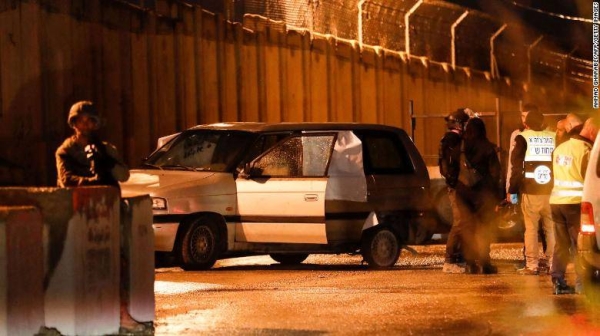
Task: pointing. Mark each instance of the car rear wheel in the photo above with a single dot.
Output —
(199, 245)
(591, 285)
(380, 248)
(289, 259)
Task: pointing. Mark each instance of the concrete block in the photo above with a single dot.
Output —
(21, 271)
(81, 251)
(137, 244)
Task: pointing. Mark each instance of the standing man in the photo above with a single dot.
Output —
(570, 164)
(84, 160)
(462, 222)
(526, 108)
(531, 177)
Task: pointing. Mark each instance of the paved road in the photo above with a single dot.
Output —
(336, 295)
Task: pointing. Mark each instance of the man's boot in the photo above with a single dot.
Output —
(561, 287)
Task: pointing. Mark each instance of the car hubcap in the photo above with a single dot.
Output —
(384, 248)
(201, 244)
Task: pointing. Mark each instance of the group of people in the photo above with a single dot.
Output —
(545, 175)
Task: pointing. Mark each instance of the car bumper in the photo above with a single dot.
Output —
(587, 252)
(164, 236)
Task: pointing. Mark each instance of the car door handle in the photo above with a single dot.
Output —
(311, 197)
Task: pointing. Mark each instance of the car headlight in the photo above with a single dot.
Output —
(159, 203)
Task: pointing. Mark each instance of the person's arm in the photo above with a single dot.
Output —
(584, 163)
(513, 135)
(66, 175)
(517, 158)
(449, 158)
(120, 171)
(495, 170)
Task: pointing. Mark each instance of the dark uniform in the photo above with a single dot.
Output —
(467, 239)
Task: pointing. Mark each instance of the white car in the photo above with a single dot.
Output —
(287, 190)
(588, 241)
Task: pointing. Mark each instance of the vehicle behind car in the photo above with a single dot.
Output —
(287, 190)
(588, 241)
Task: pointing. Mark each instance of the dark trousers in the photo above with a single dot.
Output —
(471, 233)
(461, 243)
(566, 219)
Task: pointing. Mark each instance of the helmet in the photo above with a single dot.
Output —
(457, 119)
(81, 108)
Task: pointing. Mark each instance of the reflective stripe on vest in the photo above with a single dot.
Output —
(538, 157)
(568, 181)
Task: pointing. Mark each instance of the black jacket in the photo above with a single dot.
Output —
(481, 154)
(449, 157)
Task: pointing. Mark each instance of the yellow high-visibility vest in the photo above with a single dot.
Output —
(568, 179)
(538, 158)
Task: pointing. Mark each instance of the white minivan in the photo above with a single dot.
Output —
(287, 190)
(588, 241)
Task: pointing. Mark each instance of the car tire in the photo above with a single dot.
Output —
(199, 245)
(289, 259)
(380, 248)
(591, 286)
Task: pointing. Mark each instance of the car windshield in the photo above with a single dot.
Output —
(202, 150)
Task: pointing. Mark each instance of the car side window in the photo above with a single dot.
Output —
(305, 155)
(384, 154)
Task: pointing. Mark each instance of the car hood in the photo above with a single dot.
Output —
(142, 181)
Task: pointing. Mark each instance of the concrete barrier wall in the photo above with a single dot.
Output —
(153, 75)
(137, 244)
(81, 249)
(21, 271)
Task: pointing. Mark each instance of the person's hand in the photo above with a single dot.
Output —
(90, 151)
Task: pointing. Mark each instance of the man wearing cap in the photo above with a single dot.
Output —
(83, 159)
(531, 177)
(460, 235)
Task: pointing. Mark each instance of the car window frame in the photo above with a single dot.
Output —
(252, 162)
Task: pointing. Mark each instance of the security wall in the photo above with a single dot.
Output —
(157, 72)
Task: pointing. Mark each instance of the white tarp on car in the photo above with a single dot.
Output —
(346, 174)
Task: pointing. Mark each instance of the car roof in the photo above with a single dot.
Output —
(260, 127)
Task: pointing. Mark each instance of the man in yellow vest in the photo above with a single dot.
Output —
(570, 164)
(531, 176)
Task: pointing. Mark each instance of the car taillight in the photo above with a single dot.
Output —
(587, 218)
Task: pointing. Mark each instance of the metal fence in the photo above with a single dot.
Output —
(437, 30)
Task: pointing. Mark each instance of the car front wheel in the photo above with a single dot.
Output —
(199, 245)
(380, 248)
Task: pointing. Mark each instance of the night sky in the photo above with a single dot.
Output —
(570, 36)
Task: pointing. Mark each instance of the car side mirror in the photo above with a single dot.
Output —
(246, 171)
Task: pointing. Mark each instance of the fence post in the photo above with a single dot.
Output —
(407, 26)
(493, 63)
(413, 119)
(529, 57)
(453, 34)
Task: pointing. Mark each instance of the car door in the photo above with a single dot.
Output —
(396, 184)
(281, 194)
